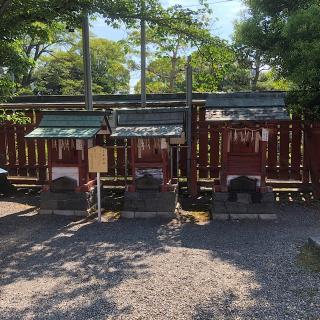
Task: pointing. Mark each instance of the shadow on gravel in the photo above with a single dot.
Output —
(29, 197)
(72, 260)
(269, 250)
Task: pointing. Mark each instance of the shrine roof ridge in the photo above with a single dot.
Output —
(263, 99)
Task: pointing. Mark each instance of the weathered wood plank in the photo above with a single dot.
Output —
(3, 146)
(203, 144)
(296, 150)
(284, 151)
(214, 152)
(272, 160)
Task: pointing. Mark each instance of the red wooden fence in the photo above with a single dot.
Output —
(287, 158)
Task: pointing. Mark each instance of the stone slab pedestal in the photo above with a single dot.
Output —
(67, 203)
(149, 204)
(243, 206)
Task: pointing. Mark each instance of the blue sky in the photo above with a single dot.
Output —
(225, 12)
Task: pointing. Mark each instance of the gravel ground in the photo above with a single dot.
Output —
(61, 268)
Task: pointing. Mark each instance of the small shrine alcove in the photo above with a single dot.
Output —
(151, 132)
(69, 135)
(244, 119)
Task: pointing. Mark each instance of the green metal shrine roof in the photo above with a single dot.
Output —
(69, 124)
(246, 106)
(149, 122)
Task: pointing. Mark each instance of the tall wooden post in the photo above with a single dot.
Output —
(193, 177)
(87, 62)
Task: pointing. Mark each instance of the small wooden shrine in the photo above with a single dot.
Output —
(244, 119)
(69, 135)
(151, 132)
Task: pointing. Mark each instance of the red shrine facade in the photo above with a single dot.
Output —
(244, 119)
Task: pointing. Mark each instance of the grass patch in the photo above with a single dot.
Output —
(309, 258)
(108, 216)
(195, 216)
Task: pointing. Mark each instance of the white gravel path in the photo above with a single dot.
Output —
(59, 268)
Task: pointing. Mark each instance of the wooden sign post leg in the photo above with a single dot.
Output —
(99, 196)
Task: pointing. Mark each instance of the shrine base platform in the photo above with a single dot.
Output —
(149, 204)
(67, 203)
(240, 206)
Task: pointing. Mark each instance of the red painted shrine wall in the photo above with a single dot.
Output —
(287, 156)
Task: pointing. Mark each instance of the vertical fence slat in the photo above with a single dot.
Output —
(12, 156)
(41, 152)
(183, 161)
(284, 151)
(129, 157)
(296, 150)
(31, 151)
(214, 152)
(306, 157)
(203, 145)
(120, 158)
(31, 147)
(193, 186)
(111, 157)
(21, 148)
(42, 157)
(272, 153)
(174, 161)
(3, 148)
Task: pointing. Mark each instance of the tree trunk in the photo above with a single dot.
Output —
(257, 73)
(173, 74)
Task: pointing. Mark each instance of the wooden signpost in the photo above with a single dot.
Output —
(98, 163)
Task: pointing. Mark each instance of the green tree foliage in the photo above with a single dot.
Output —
(288, 34)
(160, 78)
(168, 47)
(25, 19)
(213, 65)
(62, 72)
(40, 42)
(22, 20)
(248, 56)
(14, 117)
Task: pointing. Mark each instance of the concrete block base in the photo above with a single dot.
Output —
(69, 213)
(44, 211)
(64, 212)
(240, 206)
(149, 204)
(150, 201)
(146, 215)
(267, 217)
(245, 216)
(67, 203)
(220, 216)
(127, 214)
